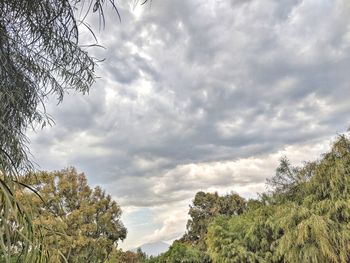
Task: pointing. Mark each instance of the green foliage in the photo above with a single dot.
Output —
(305, 218)
(317, 225)
(141, 255)
(250, 237)
(40, 55)
(78, 223)
(204, 209)
(180, 252)
(17, 229)
(119, 256)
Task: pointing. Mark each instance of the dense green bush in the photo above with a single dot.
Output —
(305, 218)
(180, 252)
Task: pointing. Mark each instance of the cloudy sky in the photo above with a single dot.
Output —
(202, 95)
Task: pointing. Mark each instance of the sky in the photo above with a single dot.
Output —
(202, 96)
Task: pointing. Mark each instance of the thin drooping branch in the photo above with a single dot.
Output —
(40, 56)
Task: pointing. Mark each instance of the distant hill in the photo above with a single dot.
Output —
(154, 249)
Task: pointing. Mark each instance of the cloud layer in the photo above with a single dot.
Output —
(203, 95)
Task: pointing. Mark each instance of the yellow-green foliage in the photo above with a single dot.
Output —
(247, 238)
(180, 252)
(306, 217)
(79, 224)
(205, 207)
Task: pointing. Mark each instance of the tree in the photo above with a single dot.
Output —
(305, 218)
(316, 226)
(40, 56)
(141, 255)
(119, 256)
(180, 252)
(206, 206)
(250, 237)
(80, 223)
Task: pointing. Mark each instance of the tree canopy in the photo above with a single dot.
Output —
(205, 207)
(304, 217)
(41, 55)
(79, 224)
(180, 252)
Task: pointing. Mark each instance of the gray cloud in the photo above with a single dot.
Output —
(203, 83)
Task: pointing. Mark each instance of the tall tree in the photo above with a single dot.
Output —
(180, 252)
(316, 225)
(80, 224)
(40, 55)
(205, 207)
(305, 217)
(120, 256)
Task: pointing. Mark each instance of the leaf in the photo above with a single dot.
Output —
(96, 6)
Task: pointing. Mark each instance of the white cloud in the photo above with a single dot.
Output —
(244, 176)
